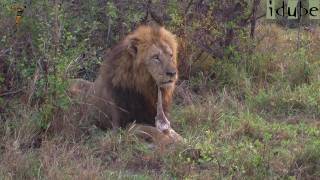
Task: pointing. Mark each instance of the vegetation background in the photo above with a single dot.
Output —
(248, 98)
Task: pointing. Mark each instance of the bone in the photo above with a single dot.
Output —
(162, 123)
(162, 135)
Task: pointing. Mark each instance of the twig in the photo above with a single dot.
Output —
(109, 29)
(261, 16)
(145, 19)
(188, 6)
(73, 61)
(11, 92)
(3, 52)
(33, 85)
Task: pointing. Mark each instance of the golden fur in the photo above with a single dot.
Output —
(129, 84)
(125, 90)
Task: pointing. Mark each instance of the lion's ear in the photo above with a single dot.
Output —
(133, 46)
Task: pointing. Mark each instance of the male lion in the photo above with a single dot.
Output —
(126, 88)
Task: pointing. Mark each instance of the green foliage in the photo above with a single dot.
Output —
(29, 167)
(289, 101)
(248, 146)
(249, 108)
(309, 159)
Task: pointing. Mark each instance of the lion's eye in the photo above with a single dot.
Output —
(171, 56)
(156, 58)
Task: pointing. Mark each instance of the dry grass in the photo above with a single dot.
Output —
(243, 128)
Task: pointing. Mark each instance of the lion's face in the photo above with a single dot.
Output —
(160, 63)
(154, 50)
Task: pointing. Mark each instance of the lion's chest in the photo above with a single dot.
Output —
(133, 106)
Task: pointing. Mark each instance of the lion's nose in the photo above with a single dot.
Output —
(171, 73)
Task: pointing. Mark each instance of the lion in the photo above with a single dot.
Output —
(125, 90)
(127, 84)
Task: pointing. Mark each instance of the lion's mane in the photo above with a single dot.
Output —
(124, 90)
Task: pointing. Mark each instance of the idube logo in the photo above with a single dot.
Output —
(293, 9)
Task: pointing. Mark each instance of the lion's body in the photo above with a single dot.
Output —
(125, 90)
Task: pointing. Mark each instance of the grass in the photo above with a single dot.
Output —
(234, 143)
(254, 121)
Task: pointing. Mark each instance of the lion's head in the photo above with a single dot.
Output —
(155, 49)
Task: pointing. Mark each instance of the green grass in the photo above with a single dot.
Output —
(288, 101)
(220, 142)
(257, 118)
